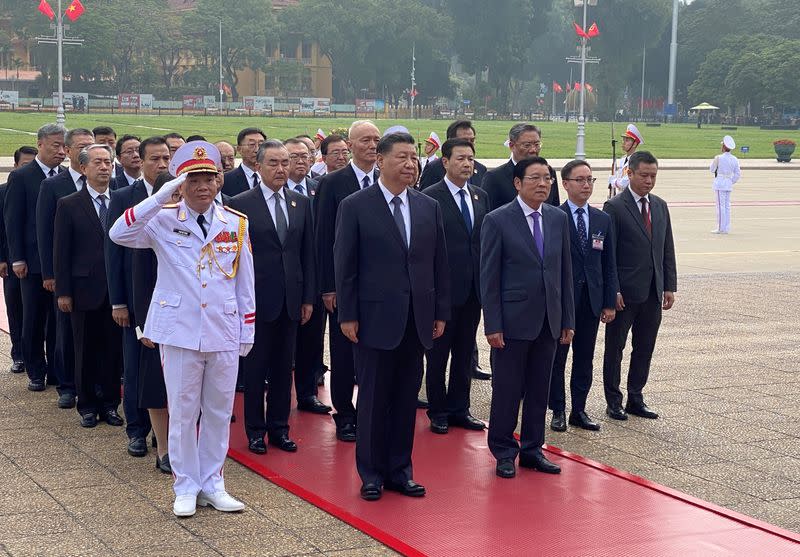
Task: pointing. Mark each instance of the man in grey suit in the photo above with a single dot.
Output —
(648, 280)
(393, 297)
(528, 306)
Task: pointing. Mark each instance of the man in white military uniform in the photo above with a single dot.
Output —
(725, 167)
(202, 315)
(432, 144)
(631, 140)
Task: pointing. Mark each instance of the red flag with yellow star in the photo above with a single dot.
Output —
(74, 10)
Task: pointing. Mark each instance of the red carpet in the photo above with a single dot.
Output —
(590, 509)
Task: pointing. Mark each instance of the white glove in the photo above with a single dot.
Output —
(164, 195)
(245, 348)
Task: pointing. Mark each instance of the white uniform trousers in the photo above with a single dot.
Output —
(199, 382)
(723, 211)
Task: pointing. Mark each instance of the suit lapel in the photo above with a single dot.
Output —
(452, 207)
(263, 209)
(88, 206)
(636, 213)
(385, 215)
(521, 222)
(292, 209)
(479, 210)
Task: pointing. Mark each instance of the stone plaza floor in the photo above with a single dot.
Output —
(725, 380)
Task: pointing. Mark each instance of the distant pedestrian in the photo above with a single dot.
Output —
(725, 167)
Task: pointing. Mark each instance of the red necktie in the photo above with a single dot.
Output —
(646, 217)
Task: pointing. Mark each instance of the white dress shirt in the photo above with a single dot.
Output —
(528, 211)
(360, 175)
(95, 197)
(637, 197)
(454, 191)
(269, 196)
(129, 178)
(248, 172)
(292, 185)
(46, 169)
(573, 208)
(404, 209)
(147, 186)
(76, 177)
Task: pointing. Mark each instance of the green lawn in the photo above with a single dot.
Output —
(667, 141)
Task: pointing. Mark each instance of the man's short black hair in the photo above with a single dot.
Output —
(247, 131)
(122, 140)
(104, 130)
(453, 128)
(195, 138)
(24, 150)
(566, 172)
(157, 140)
(450, 144)
(387, 142)
(173, 135)
(641, 157)
(521, 168)
(332, 138)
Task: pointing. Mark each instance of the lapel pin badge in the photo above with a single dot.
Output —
(294, 203)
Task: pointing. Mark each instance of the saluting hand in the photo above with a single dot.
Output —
(350, 330)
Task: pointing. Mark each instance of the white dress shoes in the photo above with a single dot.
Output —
(185, 505)
(220, 500)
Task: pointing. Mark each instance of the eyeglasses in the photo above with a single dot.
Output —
(582, 181)
(530, 144)
(336, 154)
(535, 178)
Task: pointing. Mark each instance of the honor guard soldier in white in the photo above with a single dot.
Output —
(202, 315)
(631, 140)
(725, 167)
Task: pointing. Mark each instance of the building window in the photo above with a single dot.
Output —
(306, 51)
(288, 52)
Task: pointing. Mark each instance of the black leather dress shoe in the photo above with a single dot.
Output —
(371, 492)
(346, 433)
(480, 375)
(137, 446)
(423, 404)
(88, 419)
(18, 366)
(256, 445)
(66, 400)
(559, 421)
(408, 488)
(467, 422)
(537, 461)
(641, 410)
(283, 443)
(505, 468)
(111, 417)
(313, 405)
(439, 425)
(36, 385)
(582, 420)
(616, 413)
(163, 465)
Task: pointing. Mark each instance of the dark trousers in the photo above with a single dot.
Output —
(64, 361)
(308, 353)
(388, 383)
(98, 359)
(38, 328)
(643, 319)
(586, 325)
(520, 372)
(451, 398)
(271, 359)
(137, 420)
(342, 373)
(12, 293)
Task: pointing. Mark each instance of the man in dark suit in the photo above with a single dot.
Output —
(392, 287)
(245, 176)
(282, 237)
(174, 141)
(335, 154)
(128, 156)
(525, 141)
(528, 307)
(105, 135)
(594, 282)
(361, 173)
(463, 208)
(308, 366)
(38, 319)
(154, 154)
(11, 285)
(648, 279)
(227, 155)
(82, 291)
(51, 190)
(434, 172)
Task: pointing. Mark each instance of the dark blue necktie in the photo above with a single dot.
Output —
(582, 236)
(465, 211)
(398, 218)
(103, 213)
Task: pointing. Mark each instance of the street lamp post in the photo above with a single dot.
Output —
(580, 143)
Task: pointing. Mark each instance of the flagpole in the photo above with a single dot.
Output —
(580, 144)
(60, 116)
(220, 65)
